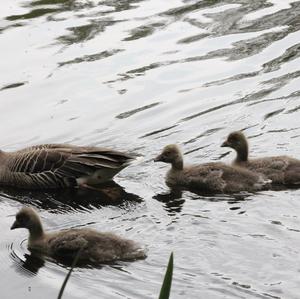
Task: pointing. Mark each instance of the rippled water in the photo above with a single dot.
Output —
(137, 75)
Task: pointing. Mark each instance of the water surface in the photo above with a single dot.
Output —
(135, 76)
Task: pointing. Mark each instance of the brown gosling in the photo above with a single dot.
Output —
(209, 177)
(95, 247)
(60, 165)
(281, 170)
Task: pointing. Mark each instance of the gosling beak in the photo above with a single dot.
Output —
(225, 144)
(16, 224)
(159, 158)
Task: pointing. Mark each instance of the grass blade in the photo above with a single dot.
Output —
(69, 274)
(166, 286)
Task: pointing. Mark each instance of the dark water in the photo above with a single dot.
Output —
(135, 76)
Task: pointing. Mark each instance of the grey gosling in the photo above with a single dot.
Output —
(208, 177)
(95, 247)
(281, 170)
(60, 165)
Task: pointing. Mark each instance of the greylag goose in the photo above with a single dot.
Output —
(282, 170)
(95, 247)
(60, 165)
(208, 177)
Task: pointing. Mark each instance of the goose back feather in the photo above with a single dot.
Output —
(60, 165)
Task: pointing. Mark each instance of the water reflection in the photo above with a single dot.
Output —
(27, 263)
(90, 58)
(13, 85)
(80, 34)
(222, 18)
(33, 14)
(77, 34)
(30, 264)
(75, 199)
(173, 201)
(176, 198)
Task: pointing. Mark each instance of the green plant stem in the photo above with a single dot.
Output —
(166, 286)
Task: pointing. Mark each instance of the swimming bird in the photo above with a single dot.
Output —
(95, 247)
(60, 165)
(282, 170)
(209, 177)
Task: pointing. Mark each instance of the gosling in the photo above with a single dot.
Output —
(208, 177)
(94, 247)
(282, 170)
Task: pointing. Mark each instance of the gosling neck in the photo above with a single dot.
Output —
(242, 152)
(36, 232)
(177, 164)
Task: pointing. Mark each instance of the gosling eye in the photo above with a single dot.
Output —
(233, 141)
(22, 218)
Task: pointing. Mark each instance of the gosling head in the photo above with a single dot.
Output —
(27, 218)
(238, 141)
(171, 154)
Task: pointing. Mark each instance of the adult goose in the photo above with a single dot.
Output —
(209, 177)
(60, 165)
(95, 247)
(282, 170)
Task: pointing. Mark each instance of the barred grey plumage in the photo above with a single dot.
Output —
(60, 165)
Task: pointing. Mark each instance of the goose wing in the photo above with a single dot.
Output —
(59, 165)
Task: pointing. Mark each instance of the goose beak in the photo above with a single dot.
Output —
(15, 225)
(225, 144)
